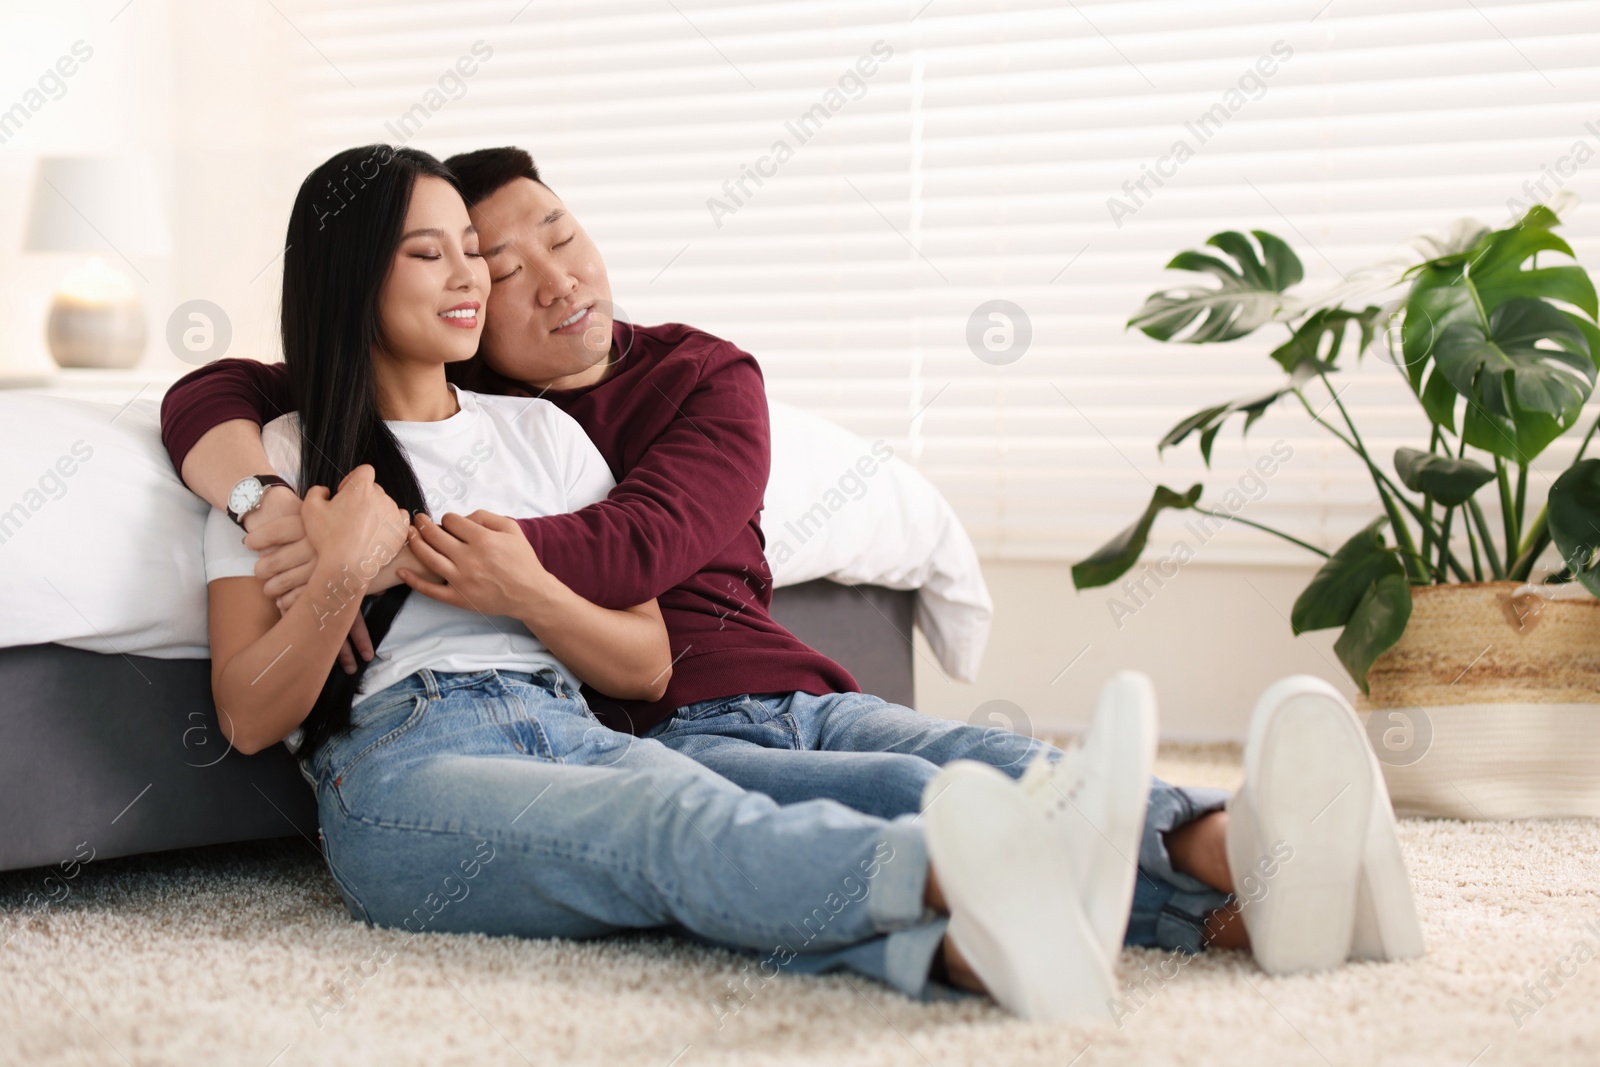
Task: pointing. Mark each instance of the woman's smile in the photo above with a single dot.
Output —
(463, 316)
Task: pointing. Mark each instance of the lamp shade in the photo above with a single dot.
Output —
(98, 204)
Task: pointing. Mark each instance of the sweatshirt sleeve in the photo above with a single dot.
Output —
(697, 485)
(219, 392)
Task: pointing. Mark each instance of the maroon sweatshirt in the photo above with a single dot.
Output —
(681, 419)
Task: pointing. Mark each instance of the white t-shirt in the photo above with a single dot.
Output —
(511, 455)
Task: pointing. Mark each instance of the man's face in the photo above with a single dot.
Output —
(548, 322)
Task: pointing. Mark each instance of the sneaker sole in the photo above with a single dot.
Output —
(1127, 714)
(1310, 778)
(1002, 876)
(1386, 926)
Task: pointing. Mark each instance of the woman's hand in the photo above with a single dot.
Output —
(276, 533)
(407, 560)
(357, 530)
(287, 562)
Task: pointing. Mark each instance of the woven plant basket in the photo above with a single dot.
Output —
(1489, 705)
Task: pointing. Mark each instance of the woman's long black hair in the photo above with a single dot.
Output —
(346, 225)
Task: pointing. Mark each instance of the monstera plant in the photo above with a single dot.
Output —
(1493, 332)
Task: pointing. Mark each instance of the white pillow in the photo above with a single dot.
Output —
(842, 508)
(99, 540)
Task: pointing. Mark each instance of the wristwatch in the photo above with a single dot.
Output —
(246, 495)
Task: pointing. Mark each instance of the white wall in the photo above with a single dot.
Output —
(1212, 638)
(117, 101)
(217, 92)
(236, 166)
(202, 88)
(994, 138)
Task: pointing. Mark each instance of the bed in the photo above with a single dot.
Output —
(109, 743)
(122, 754)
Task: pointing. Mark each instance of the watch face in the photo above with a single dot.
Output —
(245, 495)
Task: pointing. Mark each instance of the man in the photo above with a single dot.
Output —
(681, 419)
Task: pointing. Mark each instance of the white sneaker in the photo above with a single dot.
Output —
(1013, 915)
(1297, 828)
(1096, 796)
(1386, 926)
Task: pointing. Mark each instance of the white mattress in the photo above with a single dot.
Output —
(100, 543)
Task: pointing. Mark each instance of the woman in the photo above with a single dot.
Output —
(463, 784)
(366, 348)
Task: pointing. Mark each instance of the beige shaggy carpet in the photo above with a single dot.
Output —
(227, 955)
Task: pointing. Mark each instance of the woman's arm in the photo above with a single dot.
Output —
(621, 652)
(387, 578)
(267, 669)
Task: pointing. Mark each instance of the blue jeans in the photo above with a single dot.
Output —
(495, 802)
(876, 757)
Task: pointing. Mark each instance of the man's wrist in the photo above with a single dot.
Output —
(275, 503)
(541, 599)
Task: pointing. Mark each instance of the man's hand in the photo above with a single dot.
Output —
(485, 562)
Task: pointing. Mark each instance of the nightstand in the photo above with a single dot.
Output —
(104, 386)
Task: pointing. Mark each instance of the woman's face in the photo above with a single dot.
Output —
(431, 304)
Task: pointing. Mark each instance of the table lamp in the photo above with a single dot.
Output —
(106, 209)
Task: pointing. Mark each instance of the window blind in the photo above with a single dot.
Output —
(839, 187)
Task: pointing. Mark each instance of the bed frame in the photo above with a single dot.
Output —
(109, 755)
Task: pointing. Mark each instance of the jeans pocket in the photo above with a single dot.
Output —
(340, 765)
(708, 709)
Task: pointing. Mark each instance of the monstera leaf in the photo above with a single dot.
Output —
(1439, 299)
(1363, 588)
(1575, 521)
(1112, 559)
(1446, 479)
(1306, 344)
(1208, 421)
(1531, 343)
(1249, 290)
(1377, 623)
(1336, 589)
(1495, 266)
(1525, 378)
(1449, 291)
